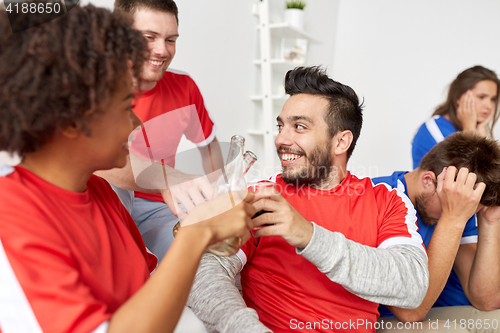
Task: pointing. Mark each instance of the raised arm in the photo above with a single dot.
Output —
(216, 301)
(157, 306)
(459, 200)
(174, 186)
(478, 265)
(395, 275)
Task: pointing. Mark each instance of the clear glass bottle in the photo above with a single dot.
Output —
(249, 159)
(233, 179)
(233, 174)
(236, 147)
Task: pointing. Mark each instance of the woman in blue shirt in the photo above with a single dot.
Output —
(472, 104)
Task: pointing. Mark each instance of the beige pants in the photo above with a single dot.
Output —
(453, 319)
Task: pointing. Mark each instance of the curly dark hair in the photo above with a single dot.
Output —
(469, 150)
(130, 6)
(345, 111)
(57, 74)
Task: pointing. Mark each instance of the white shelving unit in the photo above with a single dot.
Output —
(268, 99)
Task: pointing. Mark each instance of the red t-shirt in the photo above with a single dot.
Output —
(174, 107)
(68, 260)
(285, 288)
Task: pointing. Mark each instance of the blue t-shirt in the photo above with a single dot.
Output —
(428, 135)
(452, 294)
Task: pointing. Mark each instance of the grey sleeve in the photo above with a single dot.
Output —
(215, 300)
(397, 276)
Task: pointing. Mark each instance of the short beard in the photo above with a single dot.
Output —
(315, 172)
(148, 76)
(152, 77)
(420, 202)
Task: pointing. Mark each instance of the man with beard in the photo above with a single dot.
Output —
(362, 248)
(464, 252)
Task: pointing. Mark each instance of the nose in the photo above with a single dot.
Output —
(136, 121)
(160, 49)
(491, 105)
(284, 138)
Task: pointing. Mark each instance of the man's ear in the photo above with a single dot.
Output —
(429, 181)
(342, 141)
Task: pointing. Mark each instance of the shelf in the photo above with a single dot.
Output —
(255, 132)
(259, 132)
(274, 60)
(284, 30)
(259, 98)
(280, 64)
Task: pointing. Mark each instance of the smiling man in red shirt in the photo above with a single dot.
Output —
(331, 246)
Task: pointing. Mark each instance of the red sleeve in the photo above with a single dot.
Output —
(201, 126)
(397, 219)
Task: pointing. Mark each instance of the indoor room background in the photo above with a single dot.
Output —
(398, 55)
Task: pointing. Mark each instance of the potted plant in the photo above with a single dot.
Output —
(294, 13)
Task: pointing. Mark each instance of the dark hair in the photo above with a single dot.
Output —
(466, 81)
(469, 150)
(58, 74)
(345, 111)
(130, 6)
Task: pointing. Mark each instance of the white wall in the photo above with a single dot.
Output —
(217, 45)
(399, 55)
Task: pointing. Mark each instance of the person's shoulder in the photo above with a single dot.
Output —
(177, 75)
(100, 186)
(392, 181)
(432, 131)
(19, 197)
(179, 79)
(391, 188)
(5, 170)
(440, 120)
(10, 180)
(99, 182)
(176, 72)
(423, 130)
(444, 125)
(352, 179)
(382, 179)
(355, 185)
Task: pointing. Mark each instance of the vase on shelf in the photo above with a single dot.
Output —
(295, 18)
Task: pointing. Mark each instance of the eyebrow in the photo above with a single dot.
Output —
(296, 118)
(156, 33)
(131, 95)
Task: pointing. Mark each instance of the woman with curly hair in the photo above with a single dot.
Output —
(472, 105)
(71, 257)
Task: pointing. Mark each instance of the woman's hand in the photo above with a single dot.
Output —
(481, 127)
(221, 219)
(466, 111)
